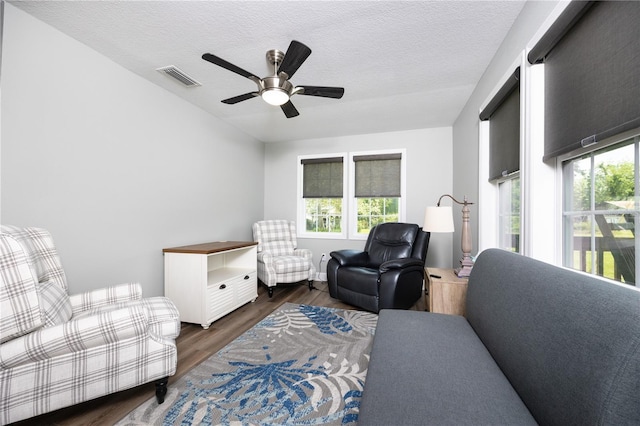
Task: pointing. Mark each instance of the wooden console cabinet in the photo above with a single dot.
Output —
(207, 281)
(448, 293)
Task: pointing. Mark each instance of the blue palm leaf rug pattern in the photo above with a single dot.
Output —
(301, 365)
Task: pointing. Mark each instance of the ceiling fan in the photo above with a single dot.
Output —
(276, 89)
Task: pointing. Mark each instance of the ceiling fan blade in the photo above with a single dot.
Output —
(289, 110)
(240, 98)
(325, 92)
(227, 65)
(296, 54)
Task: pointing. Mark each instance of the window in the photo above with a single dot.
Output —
(378, 190)
(601, 211)
(321, 208)
(590, 100)
(503, 116)
(509, 214)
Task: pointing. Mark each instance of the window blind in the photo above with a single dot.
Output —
(503, 113)
(592, 88)
(569, 16)
(322, 177)
(378, 175)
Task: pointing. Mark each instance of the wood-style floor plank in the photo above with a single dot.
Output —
(195, 345)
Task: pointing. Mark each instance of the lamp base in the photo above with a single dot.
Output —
(466, 266)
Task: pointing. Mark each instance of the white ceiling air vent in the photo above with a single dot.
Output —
(175, 72)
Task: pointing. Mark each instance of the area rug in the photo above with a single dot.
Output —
(301, 365)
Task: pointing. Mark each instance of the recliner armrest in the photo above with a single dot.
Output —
(400, 264)
(351, 257)
(265, 257)
(301, 252)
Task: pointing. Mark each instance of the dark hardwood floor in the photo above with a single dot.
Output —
(194, 346)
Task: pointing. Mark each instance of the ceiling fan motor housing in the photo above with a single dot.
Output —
(276, 83)
(275, 56)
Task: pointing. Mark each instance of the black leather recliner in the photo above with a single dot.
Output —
(388, 274)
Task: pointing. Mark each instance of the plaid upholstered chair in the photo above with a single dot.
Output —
(279, 258)
(58, 350)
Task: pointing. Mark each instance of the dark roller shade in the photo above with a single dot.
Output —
(569, 16)
(322, 177)
(378, 175)
(592, 78)
(503, 113)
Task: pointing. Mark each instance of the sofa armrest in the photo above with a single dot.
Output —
(351, 257)
(265, 257)
(306, 253)
(400, 264)
(75, 336)
(105, 296)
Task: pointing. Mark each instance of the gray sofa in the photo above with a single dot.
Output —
(539, 344)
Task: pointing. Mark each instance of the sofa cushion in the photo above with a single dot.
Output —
(428, 368)
(41, 252)
(391, 241)
(19, 304)
(359, 280)
(277, 237)
(76, 338)
(288, 264)
(54, 303)
(568, 342)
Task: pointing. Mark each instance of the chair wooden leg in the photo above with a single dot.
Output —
(161, 389)
(270, 290)
(310, 285)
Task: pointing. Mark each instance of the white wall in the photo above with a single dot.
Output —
(428, 168)
(465, 128)
(114, 166)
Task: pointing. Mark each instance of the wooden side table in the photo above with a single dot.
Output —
(447, 294)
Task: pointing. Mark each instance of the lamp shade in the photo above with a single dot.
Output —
(438, 219)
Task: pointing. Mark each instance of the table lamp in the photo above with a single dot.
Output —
(440, 219)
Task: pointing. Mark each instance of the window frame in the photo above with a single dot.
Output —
(489, 191)
(501, 214)
(539, 181)
(353, 201)
(301, 205)
(560, 164)
(542, 181)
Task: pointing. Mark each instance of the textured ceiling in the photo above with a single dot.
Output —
(404, 65)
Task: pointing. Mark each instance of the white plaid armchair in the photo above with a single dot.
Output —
(279, 258)
(58, 350)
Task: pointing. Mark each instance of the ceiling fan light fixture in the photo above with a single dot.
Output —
(275, 96)
(275, 91)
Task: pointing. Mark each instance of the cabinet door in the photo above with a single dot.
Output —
(221, 299)
(247, 288)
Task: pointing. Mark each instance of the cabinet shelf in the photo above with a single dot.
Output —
(225, 274)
